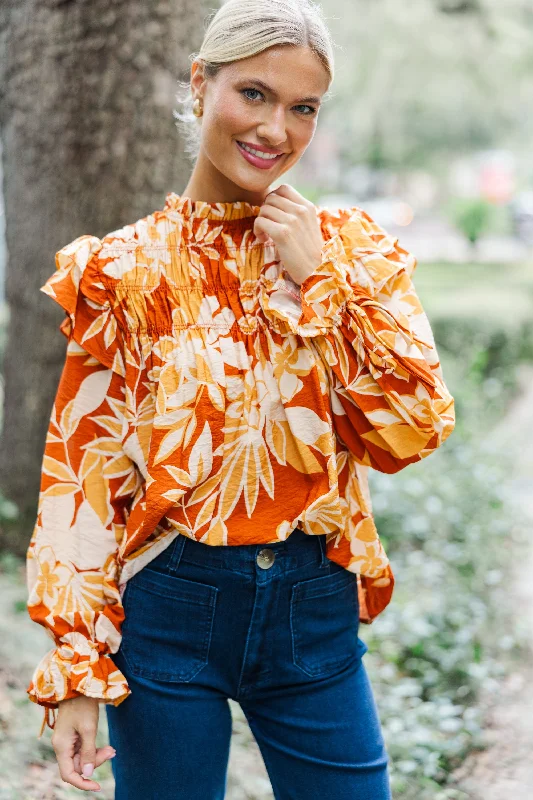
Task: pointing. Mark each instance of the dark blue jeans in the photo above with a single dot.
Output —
(275, 627)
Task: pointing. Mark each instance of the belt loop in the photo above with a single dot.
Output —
(324, 560)
(177, 551)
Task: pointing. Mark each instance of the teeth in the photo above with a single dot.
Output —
(266, 156)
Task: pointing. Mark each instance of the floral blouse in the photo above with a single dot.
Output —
(204, 393)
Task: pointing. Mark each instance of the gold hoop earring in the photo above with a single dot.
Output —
(197, 109)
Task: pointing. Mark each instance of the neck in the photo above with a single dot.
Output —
(208, 184)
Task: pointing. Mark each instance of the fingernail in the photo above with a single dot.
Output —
(87, 770)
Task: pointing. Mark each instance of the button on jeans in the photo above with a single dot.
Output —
(275, 628)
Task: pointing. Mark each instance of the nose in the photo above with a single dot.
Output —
(273, 129)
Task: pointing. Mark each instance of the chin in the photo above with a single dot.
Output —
(246, 183)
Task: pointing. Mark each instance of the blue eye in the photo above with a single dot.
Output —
(312, 111)
(250, 90)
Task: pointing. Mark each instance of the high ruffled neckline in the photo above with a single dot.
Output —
(199, 209)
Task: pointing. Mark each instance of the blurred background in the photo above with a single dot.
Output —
(429, 128)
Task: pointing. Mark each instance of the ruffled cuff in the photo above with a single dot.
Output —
(76, 667)
(327, 289)
(316, 306)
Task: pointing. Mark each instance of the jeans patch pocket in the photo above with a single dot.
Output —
(167, 627)
(324, 618)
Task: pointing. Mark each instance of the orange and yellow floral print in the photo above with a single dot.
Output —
(204, 393)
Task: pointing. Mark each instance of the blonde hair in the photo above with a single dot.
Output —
(242, 28)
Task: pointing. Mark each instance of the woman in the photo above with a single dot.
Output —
(235, 363)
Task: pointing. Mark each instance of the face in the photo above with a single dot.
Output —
(270, 102)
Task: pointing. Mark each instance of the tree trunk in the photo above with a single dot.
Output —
(87, 89)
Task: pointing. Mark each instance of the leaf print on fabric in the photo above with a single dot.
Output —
(290, 364)
(325, 515)
(201, 457)
(246, 463)
(306, 424)
(180, 436)
(90, 395)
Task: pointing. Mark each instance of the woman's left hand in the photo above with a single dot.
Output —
(292, 223)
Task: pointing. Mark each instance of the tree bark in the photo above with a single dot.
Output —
(87, 89)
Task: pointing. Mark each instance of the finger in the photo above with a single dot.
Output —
(87, 749)
(68, 773)
(271, 228)
(77, 780)
(286, 204)
(282, 205)
(287, 192)
(102, 754)
(277, 214)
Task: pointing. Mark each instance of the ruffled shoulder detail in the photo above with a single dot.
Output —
(76, 285)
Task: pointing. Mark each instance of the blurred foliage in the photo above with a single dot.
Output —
(423, 80)
(472, 216)
(480, 361)
(8, 510)
(481, 318)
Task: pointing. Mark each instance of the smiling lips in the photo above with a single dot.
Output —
(259, 156)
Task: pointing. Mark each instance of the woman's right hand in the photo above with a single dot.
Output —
(74, 741)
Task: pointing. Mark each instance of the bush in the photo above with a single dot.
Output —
(472, 216)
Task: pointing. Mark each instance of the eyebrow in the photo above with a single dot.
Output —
(269, 89)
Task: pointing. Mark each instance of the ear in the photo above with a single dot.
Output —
(197, 78)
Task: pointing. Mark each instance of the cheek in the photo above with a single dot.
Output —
(305, 136)
(300, 139)
(229, 120)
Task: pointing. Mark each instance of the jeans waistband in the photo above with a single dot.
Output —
(298, 549)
